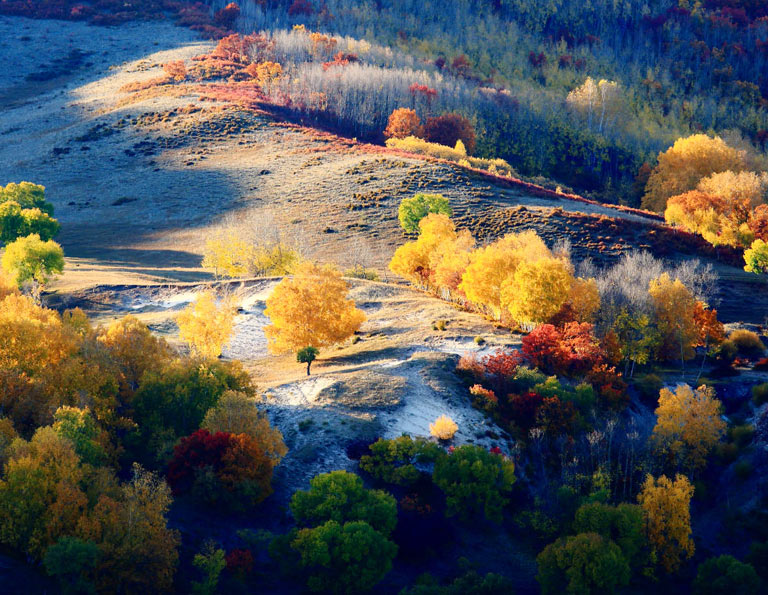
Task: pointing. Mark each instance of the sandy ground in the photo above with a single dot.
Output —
(396, 377)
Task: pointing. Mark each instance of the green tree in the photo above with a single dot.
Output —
(393, 460)
(210, 562)
(623, 524)
(306, 355)
(756, 257)
(341, 496)
(347, 558)
(79, 427)
(582, 564)
(16, 222)
(31, 260)
(412, 210)
(725, 575)
(72, 562)
(27, 195)
(475, 480)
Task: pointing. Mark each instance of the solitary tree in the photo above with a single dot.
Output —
(31, 260)
(306, 355)
(310, 309)
(403, 122)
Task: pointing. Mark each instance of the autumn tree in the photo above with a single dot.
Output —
(80, 428)
(746, 188)
(756, 257)
(207, 326)
(310, 309)
(16, 222)
(688, 425)
(403, 122)
(438, 258)
(667, 507)
(229, 253)
(448, 129)
(599, 103)
(537, 290)
(685, 164)
(236, 413)
(674, 306)
(31, 260)
(413, 210)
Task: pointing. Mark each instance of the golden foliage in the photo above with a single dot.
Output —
(403, 122)
(443, 428)
(207, 326)
(682, 167)
(745, 187)
(688, 424)
(584, 298)
(667, 507)
(236, 413)
(675, 307)
(310, 308)
(537, 289)
(228, 254)
(412, 144)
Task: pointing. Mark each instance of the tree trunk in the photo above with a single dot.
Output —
(308, 365)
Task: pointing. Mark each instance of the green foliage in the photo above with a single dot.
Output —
(210, 562)
(16, 222)
(474, 480)
(747, 342)
(341, 497)
(79, 427)
(760, 393)
(756, 257)
(347, 558)
(393, 461)
(584, 563)
(29, 259)
(725, 575)
(172, 402)
(413, 210)
(742, 434)
(582, 396)
(649, 385)
(470, 583)
(623, 524)
(72, 562)
(306, 355)
(27, 196)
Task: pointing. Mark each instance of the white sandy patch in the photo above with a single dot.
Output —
(300, 394)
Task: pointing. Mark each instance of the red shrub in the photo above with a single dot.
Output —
(240, 562)
(570, 351)
(484, 398)
(524, 408)
(556, 417)
(449, 128)
(609, 385)
(227, 16)
(201, 449)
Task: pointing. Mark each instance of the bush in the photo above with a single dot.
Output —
(649, 385)
(443, 428)
(474, 480)
(747, 343)
(448, 129)
(725, 575)
(741, 435)
(393, 461)
(760, 394)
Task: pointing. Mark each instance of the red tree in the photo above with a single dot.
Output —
(449, 128)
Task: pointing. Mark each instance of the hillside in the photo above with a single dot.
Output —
(178, 167)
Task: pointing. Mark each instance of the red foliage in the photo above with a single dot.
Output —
(449, 128)
(484, 398)
(537, 60)
(556, 417)
(461, 66)
(610, 387)
(340, 59)
(524, 409)
(570, 351)
(300, 7)
(240, 562)
(227, 16)
(201, 449)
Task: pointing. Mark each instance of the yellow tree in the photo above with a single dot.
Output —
(310, 309)
(675, 307)
(667, 508)
(688, 425)
(207, 326)
(537, 290)
(490, 266)
(584, 299)
(682, 167)
(746, 187)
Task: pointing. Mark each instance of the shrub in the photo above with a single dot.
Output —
(741, 435)
(443, 428)
(413, 210)
(403, 122)
(474, 480)
(648, 385)
(760, 394)
(448, 129)
(484, 398)
(393, 461)
(747, 342)
(725, 575)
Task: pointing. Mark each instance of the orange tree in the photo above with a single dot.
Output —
(310, 309)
